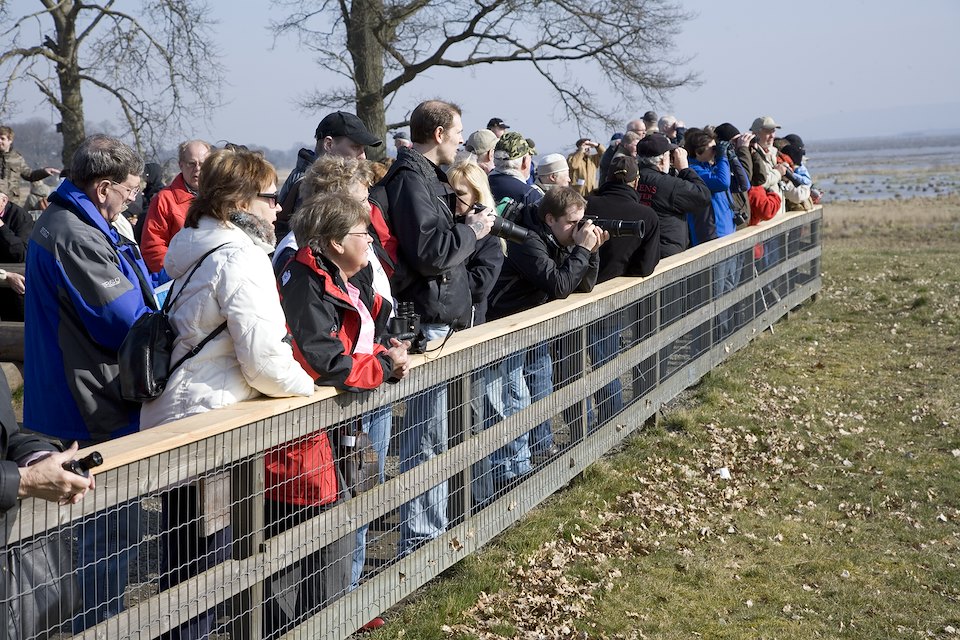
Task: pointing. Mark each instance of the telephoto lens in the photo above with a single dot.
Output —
(617, 228)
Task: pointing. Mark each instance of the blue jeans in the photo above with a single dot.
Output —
(107, 546)
(424, 436)
(604, 345)
(538, 374)
(377, 424)
(726, 277)
(506, 394)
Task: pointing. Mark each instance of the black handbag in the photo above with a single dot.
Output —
(41, 587)
(146, 351)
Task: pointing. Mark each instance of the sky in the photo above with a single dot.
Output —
(825, 69)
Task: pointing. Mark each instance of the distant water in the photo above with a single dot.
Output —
(882, 168)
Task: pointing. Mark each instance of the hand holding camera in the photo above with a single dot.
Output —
(589, 236)
(480, 219)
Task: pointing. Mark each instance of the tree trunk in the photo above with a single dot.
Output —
(68, 73)
(367, 55)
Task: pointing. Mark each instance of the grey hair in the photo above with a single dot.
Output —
(182, 148)
(504, 163)
(103, 157)
(326, 218)
(650, 162)
(666, 122)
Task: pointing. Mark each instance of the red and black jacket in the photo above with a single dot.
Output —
(325, 325)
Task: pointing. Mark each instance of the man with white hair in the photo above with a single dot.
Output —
(401, 141)
(512, 162)
(553, 172)
(672, 128)
(481, 144)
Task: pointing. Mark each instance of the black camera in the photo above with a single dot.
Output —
(616, 228)
(504, 226)
(406, 326)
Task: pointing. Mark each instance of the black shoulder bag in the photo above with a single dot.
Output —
(145, 354)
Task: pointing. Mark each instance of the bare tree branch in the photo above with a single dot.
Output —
(155, 62)
(392, 43)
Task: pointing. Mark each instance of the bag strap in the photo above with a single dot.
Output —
(196, 349)
(146, 290)
(168, 303)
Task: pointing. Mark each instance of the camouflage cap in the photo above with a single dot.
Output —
(514, 145)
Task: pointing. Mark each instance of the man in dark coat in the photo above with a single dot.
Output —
(671, 196)
(30, 467)
(559, 257)
(434, 249)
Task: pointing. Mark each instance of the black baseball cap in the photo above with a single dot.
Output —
(341, 123)
(654, 145)
(497, 122)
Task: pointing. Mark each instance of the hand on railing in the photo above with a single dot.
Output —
(398, 354)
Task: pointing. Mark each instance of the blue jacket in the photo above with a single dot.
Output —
(717, 178)
(83, 295)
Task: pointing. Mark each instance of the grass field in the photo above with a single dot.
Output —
(841, 514)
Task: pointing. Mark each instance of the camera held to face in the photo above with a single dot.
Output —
(406, 326)
(616, 228)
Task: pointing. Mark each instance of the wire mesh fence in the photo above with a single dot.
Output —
(312, 517)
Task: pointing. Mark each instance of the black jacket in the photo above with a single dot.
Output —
(672, 197)
(540, 270)
(627, 256)
(432, 246)
(484, 267)
(15, 233)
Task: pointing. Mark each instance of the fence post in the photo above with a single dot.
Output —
(247, 523)
(459, 418)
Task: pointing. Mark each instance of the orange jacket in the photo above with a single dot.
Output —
(168, 210)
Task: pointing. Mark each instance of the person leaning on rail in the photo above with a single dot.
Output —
(671, 196)
(227, 234)
(559, 257)
(329, 283)
(633, 255)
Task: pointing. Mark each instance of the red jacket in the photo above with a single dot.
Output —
(763, 204)
(325, 325)
(165, 217)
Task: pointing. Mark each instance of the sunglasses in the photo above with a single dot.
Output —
(272, 197)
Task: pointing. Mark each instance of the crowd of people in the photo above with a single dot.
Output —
(271, 291)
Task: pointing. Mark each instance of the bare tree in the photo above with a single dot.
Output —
(379, 46)
(156, 64)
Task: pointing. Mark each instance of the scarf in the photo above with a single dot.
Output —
(259, 230)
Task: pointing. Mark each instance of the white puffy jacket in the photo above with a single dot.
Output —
(236, 284)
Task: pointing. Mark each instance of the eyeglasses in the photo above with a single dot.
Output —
(272, 197)
(132, 192)
(360, 233)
